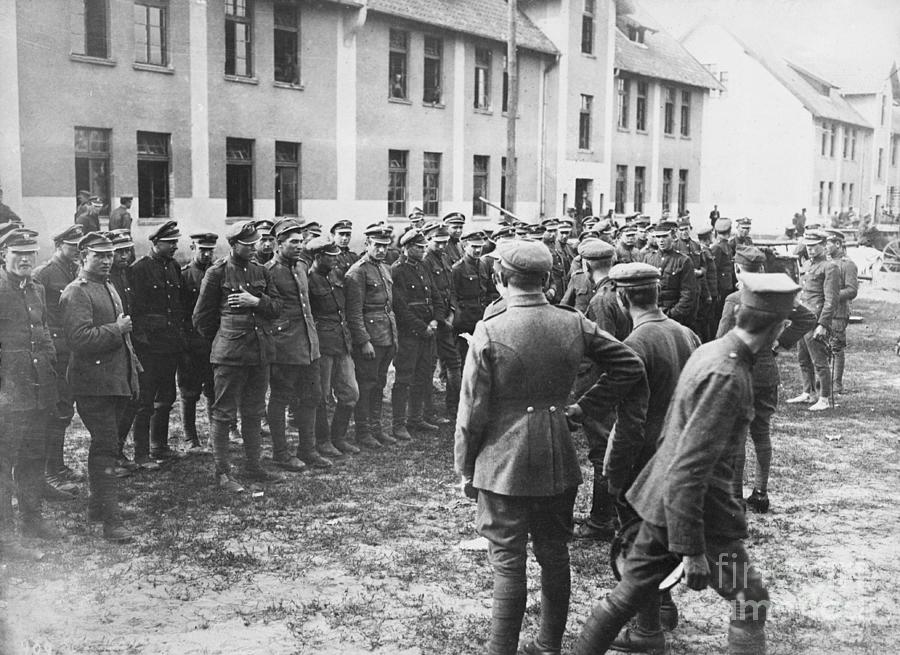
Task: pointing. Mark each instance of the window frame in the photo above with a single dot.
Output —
(821, 196)
(431, 183)
(398, 55)
(640, 104)
(585, 121)
(479, 208)
(880, 165)
(685, 127)
(640, 180)
(623, 94)
(232, 145)
(588, 16)
(621, 189)
(483, 68)
(667, 188)
(830, 197)
(669, 111)
(79, 30)
(147, 213)
(294, 31)
(398, 182)
(91, 155)
(147, 5)
(283, 165)
(438, 89)
(682, 190)
(850, 195)
(247, 20)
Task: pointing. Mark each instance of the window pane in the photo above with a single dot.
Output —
(152, 143)
(397, 72)
(431, 183)
(286, 190)
(286, 69)
(480, 165)
(239, 190)
(153, 189)
(287, 153)
(397, 182)
(239, 149)
(95, 28)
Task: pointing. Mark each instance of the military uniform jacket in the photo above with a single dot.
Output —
(686, 486)
(119, 219)
(91, 222)
(849, 286)
(627, 254)
(191, 281)
(692, 250)
(240, 336)
(471, 280)
(442, 279)
(821, 288)
(157, 309)
(27, 376)
(294, 331)
(724, 261)
(605, 311)
(452, 252)
(328, 302)
(511, 432)
(102, 360)
(345, 260)
(558, 274)
(120, 278)
(712, 273)
(370, 310)
(566, 255)
(55, 276)
(416, 301)
(579, 292)
(678, 293)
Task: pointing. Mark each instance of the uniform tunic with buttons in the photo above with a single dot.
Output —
(370, 311)
(56, 275)
(677, 286)
(849, 286)
(157, 305)
(627, 254)
(27, 377)
(120, 277)
(328, 303)
(471, 279)
(821, 287)
(442, 278)
(294, 331)
(416, 300)
(345, 260)
(724, 261)
(241, 336)
(692, 250)
(191, 281)
(453, 252)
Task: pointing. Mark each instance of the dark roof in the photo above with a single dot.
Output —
(662, 57)
(484, 18)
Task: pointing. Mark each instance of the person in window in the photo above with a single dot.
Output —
(398, 88)
(286, 70)
(120, 218)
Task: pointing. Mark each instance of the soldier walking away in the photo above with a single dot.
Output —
(837, 252)
(678, 288)
(821, 294)
(235, 308)
(471, 284)
(159, 340)
(195, 373)
(342, 232)
(103, 373)
(373, 328)
(684, 494)
(55, 275)
(120, 217)
(512, 422)
(328, 302)
(28, 393)
(294, 376)
(417, 304)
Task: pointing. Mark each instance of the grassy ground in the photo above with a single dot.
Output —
(364, 558)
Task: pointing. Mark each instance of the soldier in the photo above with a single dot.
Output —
(28, 394)
(103, 373)
(590, 270)
(750, 259)
(417, 306)
(706, 310)
(342, 231)
(603, 307)
(88, 214)
(693, 251)
(562, 246)
(234, 310)
(714, 215)
(683, 493)
(195, 373)
(559, 271)
(294, 375)
(678, 284)
(512, 423)
(454, 222)
(742, 238)
(723, 257)
(265, 249)
(821, 294)
(849, 288)
(471, 283)
(627, 250)
(328, 303)
(445, 339)
(55, 275)
(159, 340)
(373, 329)
(120, 218)
(641, 240)
(416, 218)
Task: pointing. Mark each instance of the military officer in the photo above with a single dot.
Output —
(341, 232)
(627, 250)
(693, 251)
(742, 238)
(821, 294)
(562, 245)
(373, 329)
(678, 283)
(684, 495)
(416, 218)
(512, 423)
(88, 214)
(28, 391)
(265, 249)
(593, 262)
(159, 340)
(328, 302)
(454, 222)
(418, 308)
(706, 310)
(723, 257)
(471, 284)
(295, 367)
(559, 271)
(55, 275)
(103, 373)
(120, 217)
(237, 303)
(837, 252)
(195, 373)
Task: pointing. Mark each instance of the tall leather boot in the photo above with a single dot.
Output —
(454, 381)
(159, 432)
(251, 428)
(141, 435)
(189, 421)
(376, 404)
(507, 611)
(364, 437)
(10, 548)
(339, 424)
(399, 402)
(306, 443)
(556, 587)
(277, 429)
(839, 371)
(29, 477)
(417, 418)
(600, 629)
(218, 437)
(323, 435)
(601, 524)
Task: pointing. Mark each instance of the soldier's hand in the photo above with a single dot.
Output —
(242, 300)
(368, 350)
(123, 323)
(696, 571)
(820, 332)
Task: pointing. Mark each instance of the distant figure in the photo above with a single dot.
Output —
(120, 218)
(714, 215)
(800, 223)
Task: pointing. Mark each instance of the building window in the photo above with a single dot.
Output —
(884, 106)
(480, 166)
(850, 196)
(667, 189)
(853, 145)
(880, 162)
(669, 117)
(397, 64)
(238, 41)
(831, 139)
(640, 121)
(624, 102)
(639, 188)
(685, 113)
(150, 45)
(843, 195)
(723, 80)
(153, 174)
(826, 127)
(92, 163)
(830, 195)
(505, 99)
(821, 197)
(287, 178)
(287, 43)
(846, 153)
(434, 49)
(431, 183)
(503, 202)
(587, 28)
(482, 78)
(584, 122)
(397, 181)
(636, 34)
(90, 30)
(621, 188)
(894, 142)
(239, 177)
(682, 190)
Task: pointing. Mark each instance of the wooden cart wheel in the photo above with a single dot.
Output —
(890, 257)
